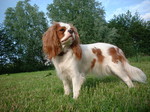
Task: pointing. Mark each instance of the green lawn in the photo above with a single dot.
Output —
(43, 92)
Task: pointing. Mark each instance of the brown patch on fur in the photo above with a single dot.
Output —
(77, 51)
(51, 41)
(76, 44)
(98, 53)
(60, 31)
(117, 55)
(93, 63)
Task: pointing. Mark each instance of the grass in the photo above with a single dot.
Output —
(43, 92)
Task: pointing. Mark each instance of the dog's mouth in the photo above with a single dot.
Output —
(68, 39)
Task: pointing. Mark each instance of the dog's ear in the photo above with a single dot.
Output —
(76, 44)
(51, 42)
(75, 30)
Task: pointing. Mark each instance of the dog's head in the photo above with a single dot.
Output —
(58, 36)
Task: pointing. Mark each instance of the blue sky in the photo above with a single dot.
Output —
(111, 7)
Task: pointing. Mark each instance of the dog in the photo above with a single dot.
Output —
(73, 60)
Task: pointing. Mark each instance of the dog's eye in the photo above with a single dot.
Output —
(62, 29)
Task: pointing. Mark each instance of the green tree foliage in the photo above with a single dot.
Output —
(6, 49)
(25, 25)
(86, 15)
(134, 33)
(6, 46)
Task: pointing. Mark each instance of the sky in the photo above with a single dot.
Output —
(111, 7)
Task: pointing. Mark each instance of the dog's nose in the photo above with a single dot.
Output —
(70, 31)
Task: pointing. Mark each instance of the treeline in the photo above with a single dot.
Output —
(24, 25)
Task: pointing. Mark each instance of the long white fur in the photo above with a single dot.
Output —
(72, 71)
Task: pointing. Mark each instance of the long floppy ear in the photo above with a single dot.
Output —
(51, 43)
(76, 44)
(75, 30)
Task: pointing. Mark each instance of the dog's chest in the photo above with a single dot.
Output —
(64, 64)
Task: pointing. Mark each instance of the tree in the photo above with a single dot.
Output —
(86, 15)
(133, 31)
(4, 46)
(25, 25)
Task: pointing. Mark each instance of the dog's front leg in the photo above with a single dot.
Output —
(67, 85)
(77, 82)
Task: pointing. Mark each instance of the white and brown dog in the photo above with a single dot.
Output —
(73, 60)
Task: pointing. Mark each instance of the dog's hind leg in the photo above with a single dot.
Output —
(119, 71)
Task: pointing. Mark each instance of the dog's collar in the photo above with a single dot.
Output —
(62, 53)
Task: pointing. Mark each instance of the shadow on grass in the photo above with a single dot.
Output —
(48, 74)
(91, 82)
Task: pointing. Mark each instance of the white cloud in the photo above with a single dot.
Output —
(146, 16)
(142, 8)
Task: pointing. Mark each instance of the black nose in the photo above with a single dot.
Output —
(70, 31)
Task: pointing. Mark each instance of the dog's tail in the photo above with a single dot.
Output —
(135, 73)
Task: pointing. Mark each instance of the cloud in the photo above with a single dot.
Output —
(146, 16)
(142, 8)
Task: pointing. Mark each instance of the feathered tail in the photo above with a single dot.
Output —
(135, 73)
